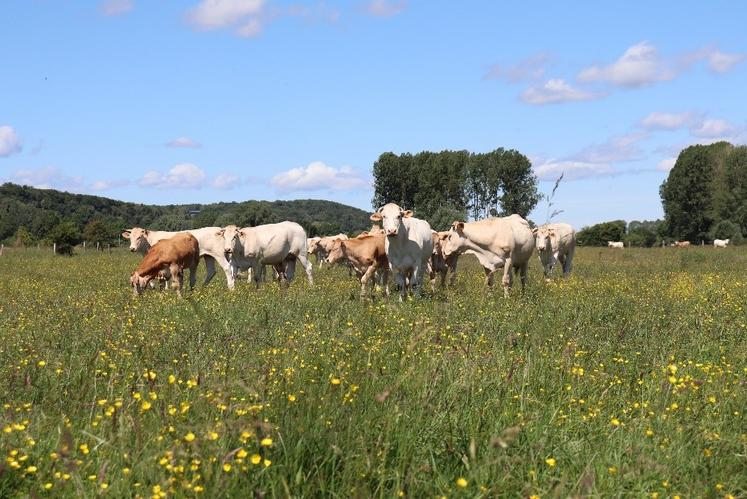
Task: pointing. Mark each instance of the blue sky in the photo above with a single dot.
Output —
(229, 100)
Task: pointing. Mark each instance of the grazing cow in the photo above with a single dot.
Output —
(211, 247)
(681, 244)
(505, 242)
(167, 259)
(279, 245)
(320, 246)
(441, 265)
(408, 245)
(720, 243)
(555, 243)
(615, 244)
(367, 255)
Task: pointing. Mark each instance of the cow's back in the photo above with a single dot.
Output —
(183, 249)
(280, 239)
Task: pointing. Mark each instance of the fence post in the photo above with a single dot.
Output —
(97, 246)
(2, 247)
(54, 248)
(84, 246)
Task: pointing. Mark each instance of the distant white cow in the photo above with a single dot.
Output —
(615, 244)
(321, 246)
(555, 243)
(506, 243)
(408, 245)
(279, 245)
(720, 243)
(211, 247)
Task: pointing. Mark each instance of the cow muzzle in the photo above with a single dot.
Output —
(391, 232)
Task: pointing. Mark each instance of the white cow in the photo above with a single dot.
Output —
(321, 246)
(720, 243)
(408, 246)
(616, 244)
(506, 243)
(279, 245)
(555, 243)
(211, 247)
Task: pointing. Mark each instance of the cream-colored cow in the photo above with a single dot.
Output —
(616, 244)
(555, 243)
(720, 243)
(506, 243)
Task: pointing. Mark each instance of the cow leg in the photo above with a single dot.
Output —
(209, 269)
(290, 268)
(523, 273)
(385, 281)
(401, 281)
(193, 273)
(177, 276)
(568, 264)
(507, 276)
(370, 272)
(257, 273)
(307, 266)
(488, 277)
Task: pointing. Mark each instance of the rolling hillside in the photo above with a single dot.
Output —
(36, 211)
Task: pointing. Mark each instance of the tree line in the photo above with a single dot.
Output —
(441, 187)
(30, 216)
(705, 194)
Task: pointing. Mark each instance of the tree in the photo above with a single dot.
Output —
(699, 190)
(96, 231)
(22, 238)
(726, 229)
(66, 236)
(518, 183)
(599, 234)
(444, 216)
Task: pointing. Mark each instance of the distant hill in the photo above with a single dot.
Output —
(28, 215)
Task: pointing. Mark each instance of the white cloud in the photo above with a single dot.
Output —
(183, 175)
(666, 164)
(719, 62)
(48, 177)
(667, 121)
(225, 181)
(385, 8)
(183, 142)
(318, 176)
(105, 185)
(10, 143)
(115, 7)
(531, 68)
(245, 16)
(574, 170)
(639, 65)
(556, 91)
(712, 128)
(616, 149)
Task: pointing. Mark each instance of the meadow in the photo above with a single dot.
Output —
(626, 380)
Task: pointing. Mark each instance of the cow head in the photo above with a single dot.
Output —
(543, 237)
(232, 239)
(312, 245)
(139, 283)
(454, 241)
(138, 239)
(390, 215)
(336, 251)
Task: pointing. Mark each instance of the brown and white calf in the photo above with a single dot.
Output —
(366, 255)
(440, 264)
(167, 259)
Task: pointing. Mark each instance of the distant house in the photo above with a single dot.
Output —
(193, 213)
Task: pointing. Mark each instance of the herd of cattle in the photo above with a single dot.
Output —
(405, 247)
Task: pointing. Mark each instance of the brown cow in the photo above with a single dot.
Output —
(440, 264)
(366, 255)
(167, 259)
(681, 244)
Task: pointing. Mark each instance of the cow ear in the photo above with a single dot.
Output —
(407, 213)
(376, 217)
(535, 230)
(458, 226)
(242, 234)
(220, 232)
(126, 234)
(551, 232)
(146, 232)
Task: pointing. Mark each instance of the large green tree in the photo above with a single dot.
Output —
(706, 186)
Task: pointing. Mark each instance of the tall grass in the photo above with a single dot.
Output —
(628, 379)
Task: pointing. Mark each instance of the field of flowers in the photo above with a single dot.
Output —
(629, 379)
